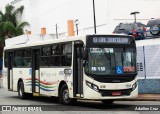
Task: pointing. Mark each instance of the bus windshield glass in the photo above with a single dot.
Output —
(111, 61)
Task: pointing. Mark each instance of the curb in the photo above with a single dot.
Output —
(142, 99)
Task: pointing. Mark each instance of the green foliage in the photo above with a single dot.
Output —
(19, 28)
(9, 25)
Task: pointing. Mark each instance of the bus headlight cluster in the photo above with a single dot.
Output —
(92, 86)
(134, 86)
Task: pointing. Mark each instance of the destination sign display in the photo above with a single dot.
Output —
(111, 40)
(108, 39)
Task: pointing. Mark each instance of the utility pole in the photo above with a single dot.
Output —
(56, 31)
(94, 16)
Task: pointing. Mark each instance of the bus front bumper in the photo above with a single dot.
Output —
(110, 94)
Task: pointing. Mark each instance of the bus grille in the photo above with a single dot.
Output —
(106, 80)
(125, 92)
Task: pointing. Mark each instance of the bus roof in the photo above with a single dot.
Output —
(37, 40)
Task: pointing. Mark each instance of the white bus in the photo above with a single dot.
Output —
(94, 67)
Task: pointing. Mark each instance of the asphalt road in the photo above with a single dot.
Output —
(90, 107)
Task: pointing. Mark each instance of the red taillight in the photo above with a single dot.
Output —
(134, 33)
(144, 29)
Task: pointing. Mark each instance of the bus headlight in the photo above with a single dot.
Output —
(92, 86)
(134, 86)
(95, 88)
(88, 84)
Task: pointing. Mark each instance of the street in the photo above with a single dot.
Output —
(48, 104)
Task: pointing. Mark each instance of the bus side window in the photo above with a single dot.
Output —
(66, 57)
(27, 57)
(5, 59)
(55, 55)
(45, 55)
(17, 61)
(46, 51)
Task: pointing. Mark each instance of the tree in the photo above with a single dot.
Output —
(9, 25)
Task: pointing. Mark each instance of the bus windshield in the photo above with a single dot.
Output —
(111, 61)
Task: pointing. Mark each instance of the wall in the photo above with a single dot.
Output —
(148, 54)
(149, 86)
(61, 11)
(109, 13)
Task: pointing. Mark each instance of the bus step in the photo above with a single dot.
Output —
(36, 94)
(78, 95)
(10, 89)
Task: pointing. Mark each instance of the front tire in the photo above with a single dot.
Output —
(64, 96)
(21, 93)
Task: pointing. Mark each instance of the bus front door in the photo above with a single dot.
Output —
(10, 70)
(35, 71)
(78, 72)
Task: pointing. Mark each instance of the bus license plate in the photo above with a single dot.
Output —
(116, 93)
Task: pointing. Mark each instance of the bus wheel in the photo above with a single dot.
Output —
(64, 95)
(21, 93)
(107, 102)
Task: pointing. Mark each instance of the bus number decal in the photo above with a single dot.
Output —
(128, 69)
(101, 69)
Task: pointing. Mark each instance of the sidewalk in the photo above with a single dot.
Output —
(144, 97)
